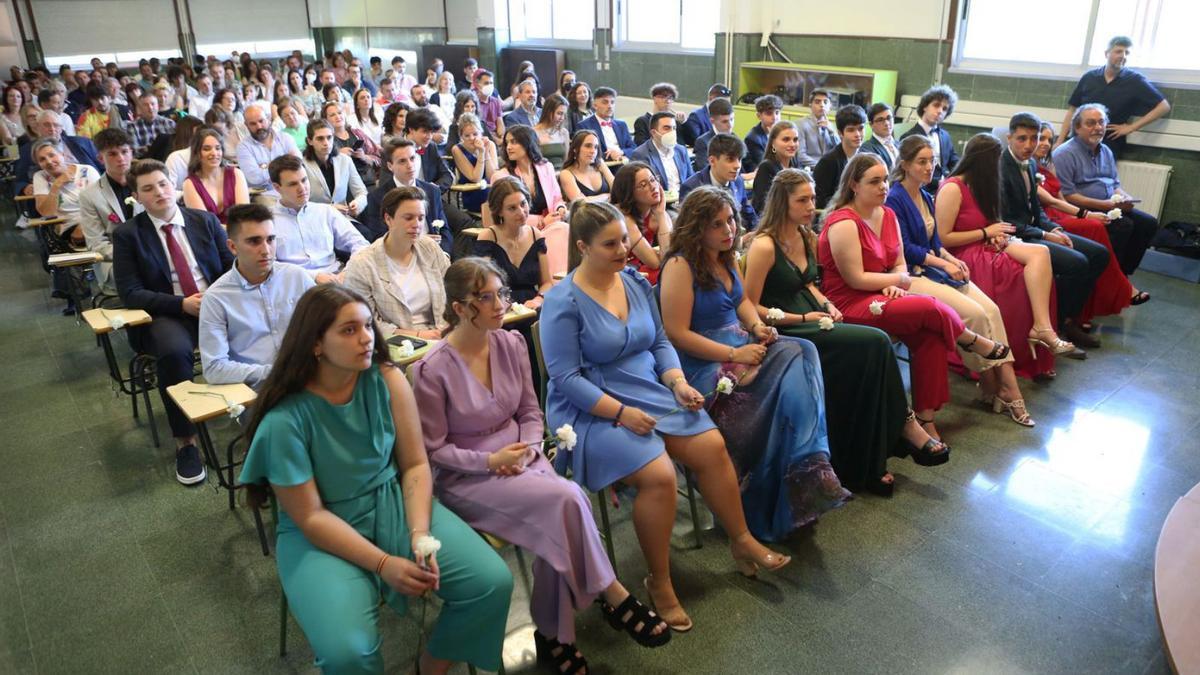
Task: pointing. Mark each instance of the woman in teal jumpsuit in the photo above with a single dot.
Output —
(333, 427)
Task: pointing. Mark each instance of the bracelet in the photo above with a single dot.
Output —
(754, 327)
(675, 382)
(803, 317)
(983, 235)
(379, 567)
(617, 419)
(825, 304)
(1080, 213)
(730, 359)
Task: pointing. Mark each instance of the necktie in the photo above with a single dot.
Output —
(183, 270)
(605, 124)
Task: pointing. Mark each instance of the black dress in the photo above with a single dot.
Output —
(524, 279)
(588, 191)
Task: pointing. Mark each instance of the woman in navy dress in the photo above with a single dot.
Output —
(774, 423)
(616, 379)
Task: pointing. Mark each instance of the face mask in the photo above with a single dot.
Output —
(668, 140)
(488, 89)
(310, 78)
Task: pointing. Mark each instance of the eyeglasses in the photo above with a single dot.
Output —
(489, 298)
(645, 184)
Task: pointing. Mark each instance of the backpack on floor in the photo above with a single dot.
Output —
(1179, 238)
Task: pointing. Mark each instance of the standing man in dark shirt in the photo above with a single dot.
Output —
(1124, 91)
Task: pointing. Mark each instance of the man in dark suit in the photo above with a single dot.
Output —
(767, 108)
(724, 170)
(1077, 262)
(402, 160)
(698, 122)
(615, 139)
(882, 142)
(163, 260)
(663, 96)
(936, 104)
(76, 150)
(419, 127)
(851, 121)
(720, 115)
(667, 159)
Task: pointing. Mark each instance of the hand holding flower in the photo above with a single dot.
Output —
(509, 460)
(687, 396)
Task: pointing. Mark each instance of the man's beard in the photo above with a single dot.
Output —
(261, 135)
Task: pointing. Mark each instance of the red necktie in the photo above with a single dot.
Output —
(183, 270)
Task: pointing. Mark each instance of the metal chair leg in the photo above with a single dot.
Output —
(691, 497)
(283, 622)
(606, 530)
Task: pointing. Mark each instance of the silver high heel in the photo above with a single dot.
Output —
(1057, 346)
(1015, 409)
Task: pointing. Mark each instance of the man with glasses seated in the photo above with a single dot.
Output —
(882, 142)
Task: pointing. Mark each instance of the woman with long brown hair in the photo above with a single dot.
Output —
(616, 380)
(584, 174)
(337, 436)
(866, 277)
(213, 184)
(642, 202)
(1015, 275)
(865, 403)
(483, 429)
(783, 152)
(774, 420)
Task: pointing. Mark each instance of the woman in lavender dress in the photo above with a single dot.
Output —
(483, 431)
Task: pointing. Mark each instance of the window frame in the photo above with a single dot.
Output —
(551, 41)
(622, 44)
(1166, 77)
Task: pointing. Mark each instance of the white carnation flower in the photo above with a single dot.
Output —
(425, 546)
(724, 386)
(566, 436)
(775, 314)
(825, 323)
(235, 410)
(130, 201)
(876, 307)
(406, 349)
(118, 322)
(1113, 214)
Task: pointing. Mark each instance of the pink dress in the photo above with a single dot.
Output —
(1002, 278)
(462, 423)
(926, 325)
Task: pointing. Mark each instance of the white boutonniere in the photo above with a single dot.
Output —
(130, 201)
(1040, 178)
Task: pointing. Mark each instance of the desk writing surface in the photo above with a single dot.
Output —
(100, 320)
(202, 402)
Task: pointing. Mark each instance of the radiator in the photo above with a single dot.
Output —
(1147, 182)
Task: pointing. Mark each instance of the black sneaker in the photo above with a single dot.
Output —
(189, 469)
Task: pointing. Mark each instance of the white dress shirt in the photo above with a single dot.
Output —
(934, 140)
(309, 237)
(672, 171)
(181, 238)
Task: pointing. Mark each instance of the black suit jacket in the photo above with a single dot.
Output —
(371, 224)
(434, 169)
(142, 270)
(949, 156)
(1018, 206)
(827, 173)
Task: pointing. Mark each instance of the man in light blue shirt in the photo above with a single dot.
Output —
(309, 235)
(255, 152)
(1088, 172)
(246, 311)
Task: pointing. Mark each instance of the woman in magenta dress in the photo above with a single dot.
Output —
(866, 277)
(1015, 275)
(212, 184)
(483, 432)
(1114, 291)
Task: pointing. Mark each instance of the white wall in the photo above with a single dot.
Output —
(918, 19)
(378, 13)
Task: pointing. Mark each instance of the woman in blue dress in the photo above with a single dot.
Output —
(774, 422)
(615, 378)
(474, 158)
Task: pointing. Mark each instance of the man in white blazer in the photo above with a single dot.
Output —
(108, 202)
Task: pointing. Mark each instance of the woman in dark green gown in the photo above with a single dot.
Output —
(866, 409)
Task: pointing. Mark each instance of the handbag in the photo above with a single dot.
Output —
(938, 275)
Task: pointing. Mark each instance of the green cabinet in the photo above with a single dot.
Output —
(794, 82)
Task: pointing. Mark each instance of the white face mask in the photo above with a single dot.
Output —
(488, 89)
(311, 77)
(668, 140)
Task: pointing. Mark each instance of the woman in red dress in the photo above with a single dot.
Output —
(1015, 275)
(1113, 292)
(867, 279)
(639, 197)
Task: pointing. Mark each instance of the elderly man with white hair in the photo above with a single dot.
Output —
(76, 150)
(260, 146)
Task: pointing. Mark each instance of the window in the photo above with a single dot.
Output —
(680, 24)
(261, 49)
(123, 59)
(551, 21)
(998, 36)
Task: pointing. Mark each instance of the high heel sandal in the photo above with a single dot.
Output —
(748, 566)
(638, 620)
(678, 626)
(562, 657)
(1142, 297)
(1057, 346)
(998, 351)
(880, 488)
(1015, 409)
(927, 454)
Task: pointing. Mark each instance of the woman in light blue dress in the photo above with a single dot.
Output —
(774, 422)
(615, 378)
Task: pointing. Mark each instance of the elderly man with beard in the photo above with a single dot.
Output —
(264, 144)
